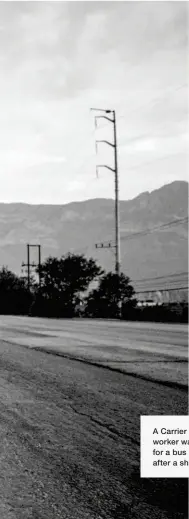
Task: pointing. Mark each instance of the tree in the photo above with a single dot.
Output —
(113, 294)
(62, 281)
(14, 295)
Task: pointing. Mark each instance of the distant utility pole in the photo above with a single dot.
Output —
(112, 119)
(29, 265)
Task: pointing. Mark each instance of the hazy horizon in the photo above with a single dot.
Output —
(60, 58)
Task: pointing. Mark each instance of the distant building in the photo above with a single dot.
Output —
(147, 302)
(163, 296)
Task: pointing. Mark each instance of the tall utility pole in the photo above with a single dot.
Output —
(112, 119)
(29, 265)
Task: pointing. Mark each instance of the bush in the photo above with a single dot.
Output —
(173, 312)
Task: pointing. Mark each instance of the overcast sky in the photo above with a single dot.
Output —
(57, 59)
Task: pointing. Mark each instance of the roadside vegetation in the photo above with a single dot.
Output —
(64, 292)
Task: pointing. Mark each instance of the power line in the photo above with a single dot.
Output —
(156, 286)
(165, 280)
(161, 277)
(161, 286)
(148, 163)
(139, 234)
(155, 101)
(152, 103)
(161, 290)
(157, 228)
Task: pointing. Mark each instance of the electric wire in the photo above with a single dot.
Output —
(145, 232)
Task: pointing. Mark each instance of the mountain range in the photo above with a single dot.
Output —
(153, 230)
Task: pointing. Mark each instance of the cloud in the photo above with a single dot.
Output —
(168, 144)
(60, 58)
(24, 160)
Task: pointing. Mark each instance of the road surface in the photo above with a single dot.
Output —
(72, 393)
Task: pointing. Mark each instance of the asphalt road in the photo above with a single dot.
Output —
(71, 396)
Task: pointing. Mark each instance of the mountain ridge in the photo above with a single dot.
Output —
(174, 183)
(77, 226)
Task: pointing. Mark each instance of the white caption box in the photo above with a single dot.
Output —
(164, 446)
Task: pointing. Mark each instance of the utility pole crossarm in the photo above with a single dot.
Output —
(104, 245)
(105, 166)
(107, 142)
(101, 110)
(104, 117)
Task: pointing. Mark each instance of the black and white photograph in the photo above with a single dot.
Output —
(94, 163)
